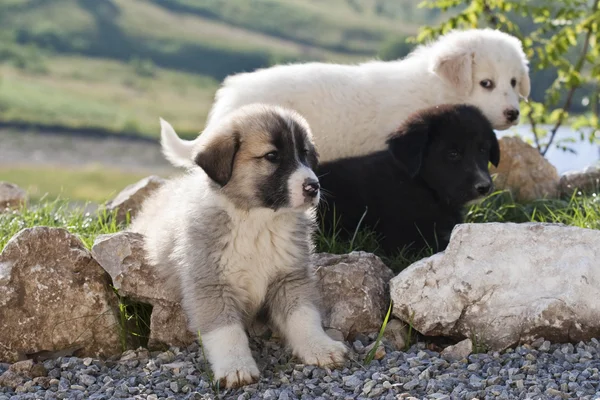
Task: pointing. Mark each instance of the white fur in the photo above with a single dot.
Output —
(229, 355)
(172, 145)
(353, 108)
(319, 349)
(296, 186)
(260, 238)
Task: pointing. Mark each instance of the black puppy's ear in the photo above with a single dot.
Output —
(495, 151)
(217, 156)
(408, 145)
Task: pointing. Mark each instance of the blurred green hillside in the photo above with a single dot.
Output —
(117, 65)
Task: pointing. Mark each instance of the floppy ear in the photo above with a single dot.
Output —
(217, 156)
(408, 144)
(455, 68)
(525, 86)
(495, 151)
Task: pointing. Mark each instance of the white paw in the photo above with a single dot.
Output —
(322, 351)
(234, 373)
(230, 356)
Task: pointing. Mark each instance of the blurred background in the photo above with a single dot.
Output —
(83, 82)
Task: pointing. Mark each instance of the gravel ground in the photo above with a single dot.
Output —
(539, 371)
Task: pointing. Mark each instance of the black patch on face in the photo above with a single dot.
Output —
(293, 148)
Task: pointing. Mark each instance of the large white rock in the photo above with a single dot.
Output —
(505, 284)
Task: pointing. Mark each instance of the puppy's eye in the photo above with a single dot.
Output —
(454, 155)
(513, 82)
(487, 84)
(272, 156)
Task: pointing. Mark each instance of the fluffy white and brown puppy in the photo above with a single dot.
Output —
(235, 234)
(352, 108)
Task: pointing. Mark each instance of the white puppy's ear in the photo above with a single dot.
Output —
(175, 149)
(525, 86)
(455, 68)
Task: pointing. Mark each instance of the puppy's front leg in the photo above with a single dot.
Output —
(292, 311)
(230, 357)
(223, 336)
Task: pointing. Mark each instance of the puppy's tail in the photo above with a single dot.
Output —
(175, 149)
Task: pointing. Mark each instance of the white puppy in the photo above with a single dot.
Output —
(352, 108)
(234, 237)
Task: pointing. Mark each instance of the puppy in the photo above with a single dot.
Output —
(413, 193)
(235, 235)
(352, 108)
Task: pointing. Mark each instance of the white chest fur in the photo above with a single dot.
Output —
(261, 244)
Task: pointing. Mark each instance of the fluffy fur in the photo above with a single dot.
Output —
(352, 108)
(412, 194)
(234, 235)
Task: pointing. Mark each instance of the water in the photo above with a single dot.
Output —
(585, 153)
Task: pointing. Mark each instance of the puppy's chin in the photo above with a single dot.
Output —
(505, 125)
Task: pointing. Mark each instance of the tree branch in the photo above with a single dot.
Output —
(569, 99)
(536, 137)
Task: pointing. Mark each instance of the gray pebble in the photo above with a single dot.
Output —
(537, 371)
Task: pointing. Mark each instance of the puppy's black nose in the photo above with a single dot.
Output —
(311, 188)
(511, 114)
(483, 188)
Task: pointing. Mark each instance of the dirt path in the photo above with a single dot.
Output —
(24, 147)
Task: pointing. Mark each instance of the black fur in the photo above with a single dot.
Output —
(414, 192)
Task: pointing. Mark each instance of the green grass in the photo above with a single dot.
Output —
(371, 355)
(582, 211)
(337, 25)
(86, 184)
(134, 323)
(364, 239)
(79, 92)
(58, 214)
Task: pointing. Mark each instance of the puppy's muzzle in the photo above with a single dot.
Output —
(484, 188)
(511, 114)
(310, 188)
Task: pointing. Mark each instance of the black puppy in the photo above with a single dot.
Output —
(414, 192)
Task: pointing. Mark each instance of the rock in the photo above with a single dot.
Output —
(354, 289)
(586, 181)
(11, 196)
(53, 295)
(122, 256)
(335, 334)
(396, 332)
(524, 171)
(131, 198)
(379, 351)
(507, 283)
(458, 351)
(20, 372)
